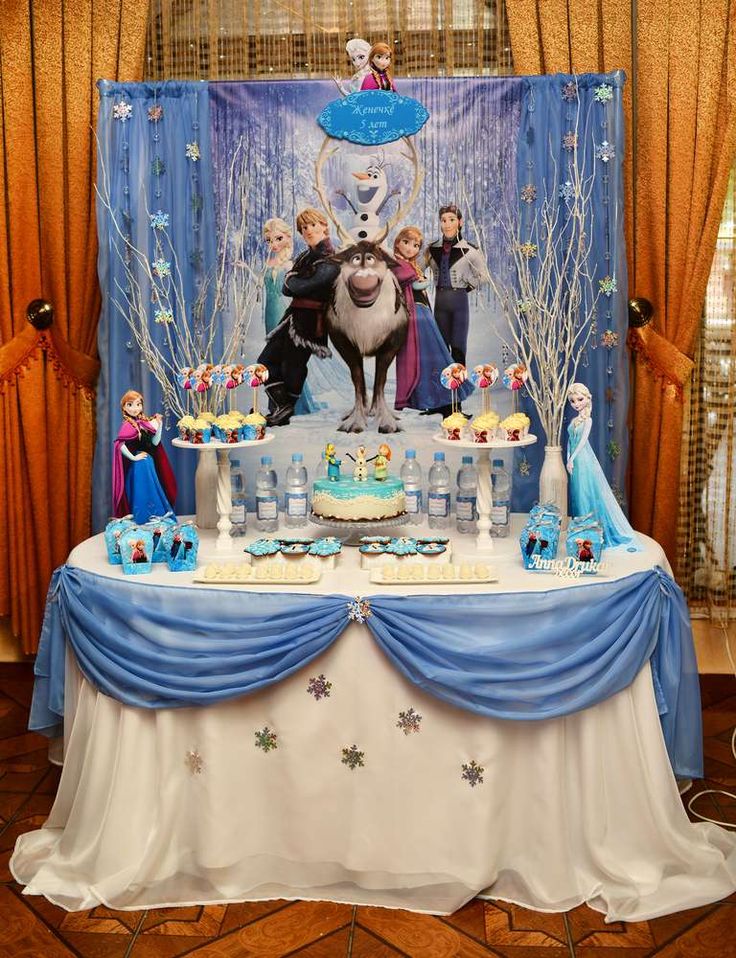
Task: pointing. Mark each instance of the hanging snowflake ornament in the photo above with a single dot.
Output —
(570, 140)
(524, 305)
(194, 762)
(158, 167)
(122, 110)
(569, 91)
(529, 193)
(473, 773)
(192, 151)
(155, 113)
(161, 268)
(524, 467)
(610, 393)
(163, 317)
(566, 191)
(159, 220)
(359, 610)
(319, 687)
(605, 152)
(608, 285)
(528, 249)
(409, 721)
(614, 450)
(603, 93)
(609, 339)
(353, 757)
(266, 739)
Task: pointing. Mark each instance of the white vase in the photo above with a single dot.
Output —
(553, 479)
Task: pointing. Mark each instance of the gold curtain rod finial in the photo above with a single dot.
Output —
(641, 312)
(40, 313)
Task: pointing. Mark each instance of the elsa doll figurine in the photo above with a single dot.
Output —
(589, 489)
(279, 239)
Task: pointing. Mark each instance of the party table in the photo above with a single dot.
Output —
(360, 743)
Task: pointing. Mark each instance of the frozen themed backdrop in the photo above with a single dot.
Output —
(194, 178)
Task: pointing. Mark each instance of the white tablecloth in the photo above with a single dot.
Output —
(581, 808)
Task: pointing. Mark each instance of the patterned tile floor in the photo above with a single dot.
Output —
(33, 928)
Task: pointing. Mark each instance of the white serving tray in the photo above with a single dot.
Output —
(436, 573)
(261, 573)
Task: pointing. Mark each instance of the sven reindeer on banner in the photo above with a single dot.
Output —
(367, 315)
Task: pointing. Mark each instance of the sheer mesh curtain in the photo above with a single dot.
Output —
(239, 39)
(707, 533)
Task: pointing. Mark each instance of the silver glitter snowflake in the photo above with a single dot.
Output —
(570, 91)
(473, 773)
(266, 739)
(319, 687)
(158, 220)
(609, 339)
(524, 467)
(161, 268)
(155, 113)
(158, 167)
(353, 757)
(605, 152)
(603, 93)
(192, 151)
(566, 191)
(194, 762)
(163, 317)
(409, 721)
(614, 450)
(359, 610)
(524, 305)
(570, 140)
(529, 193)
(122, 111)
(608, 285)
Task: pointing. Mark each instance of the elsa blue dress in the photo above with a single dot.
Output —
(276, 305)
(590, 492)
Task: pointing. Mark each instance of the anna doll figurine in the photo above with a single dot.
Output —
(379, 77)
(143, 482)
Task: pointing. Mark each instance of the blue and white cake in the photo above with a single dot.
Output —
(351, 500)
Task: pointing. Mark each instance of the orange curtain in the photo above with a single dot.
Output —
(681, 127)
(51, 54)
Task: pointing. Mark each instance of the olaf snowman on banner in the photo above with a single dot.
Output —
(367, 194)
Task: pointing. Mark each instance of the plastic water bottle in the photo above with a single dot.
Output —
(467, 492)
(237, 499)
(267, 499)
(296, 495)
(438, 495)
(501, 510)
(411, 476)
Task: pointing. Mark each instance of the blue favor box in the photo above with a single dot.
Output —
(540, 536)
(181, 544)
(113, 531)
(585, 541)
(136, 549)
(158, 526)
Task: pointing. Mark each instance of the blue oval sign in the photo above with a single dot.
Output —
(373, 116)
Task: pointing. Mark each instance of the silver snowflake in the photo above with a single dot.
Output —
(359, 610)
(161, 268)
(159, 220)
(605, 152)
(194, 762)
(570, 140)
(473, 773)
(353, 757)
(409, 721)
(524, 467)
(163, 317)
(192, 151)
(608, 285)
(570, 91)
(529, 193)
(122, 111)
(603, 93)
(566, 191)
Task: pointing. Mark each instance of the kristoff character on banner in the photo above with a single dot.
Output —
(458, 268)
(302, 332)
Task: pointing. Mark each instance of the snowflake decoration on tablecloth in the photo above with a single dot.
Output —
(122, 110)
(194, 762)
(161, 268)
(163, 317)
(570, 140)
(524, 467)
(473, 773)
(409, 721)
(605, 152)
(609, 339)
(353, 757)
(359, 610)
(155, 113)
(266, 739)
(159, 220)
(528, 249)
(566, 191)
(158, 167)
(193, 151)
(603, 93)
(529, 193)
(614, 450)
(608, 285)
(569, 91)
(319, 687)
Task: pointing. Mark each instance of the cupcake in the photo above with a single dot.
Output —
(258, 422)
(516, 426)
(185, 426)
(484, 426)
(454, 425)
(209, 416)
(201, 431)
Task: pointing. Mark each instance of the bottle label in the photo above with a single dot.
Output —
(438, 504)
(500, 513)
(413, 501)
(465, 508)
(267, 507)
(237, 513)
(296, 503)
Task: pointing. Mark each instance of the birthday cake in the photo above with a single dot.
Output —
(353, 500)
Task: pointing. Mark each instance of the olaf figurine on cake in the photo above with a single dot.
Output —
(360, 472)
(143, 482)
(589, 489)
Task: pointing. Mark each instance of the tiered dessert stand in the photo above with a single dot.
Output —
(484, 540)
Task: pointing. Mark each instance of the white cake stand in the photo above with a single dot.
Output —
(207, 451)
(484, 540)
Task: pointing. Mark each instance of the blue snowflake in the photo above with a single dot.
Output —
(122, 111)
(409, 721)
(161, 268)
(359, 610)
(353, 757)
(603, 93)
(566, 191)
(605, 152)
(473, 773)
(159, 220)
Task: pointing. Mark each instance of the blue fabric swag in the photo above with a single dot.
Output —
(525, 657)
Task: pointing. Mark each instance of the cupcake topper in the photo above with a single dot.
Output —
(484, 376)
(452, 377)
(257, 375)
(514, 377)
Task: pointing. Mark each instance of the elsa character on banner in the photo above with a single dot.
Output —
(280, 242)
(424, 354)
(143, 482)
(358, 50)
(589, 489)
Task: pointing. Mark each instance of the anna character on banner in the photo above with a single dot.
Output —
(424, 354)
(143, 482)
(379, 77)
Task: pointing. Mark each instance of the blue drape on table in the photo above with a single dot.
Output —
(529, 656)
(143, 167)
